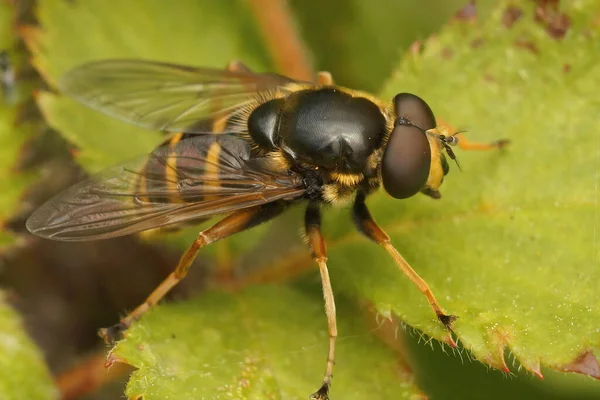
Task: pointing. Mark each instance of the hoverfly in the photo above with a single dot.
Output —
(247, 145)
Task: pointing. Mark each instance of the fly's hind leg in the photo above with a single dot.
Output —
(324, 78)
(234, 223)
(312, 222)
(366, 225)
(221, 119)
(238, 66)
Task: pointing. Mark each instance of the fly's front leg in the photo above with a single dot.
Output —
(234, 223)
(452, 137)
(466, 144)
(366, 224)
(312, 222)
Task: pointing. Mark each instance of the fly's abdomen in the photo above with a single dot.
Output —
(192, 168)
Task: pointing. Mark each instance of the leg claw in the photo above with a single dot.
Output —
(447, 320)
(502, 143)
(322, 393)
(112, 333)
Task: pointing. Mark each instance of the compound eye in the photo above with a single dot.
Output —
(406, 162)
(415, 109)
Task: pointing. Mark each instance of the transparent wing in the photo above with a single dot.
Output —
(166, 97)
(193, 179)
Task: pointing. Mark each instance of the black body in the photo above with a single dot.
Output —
(327, 128)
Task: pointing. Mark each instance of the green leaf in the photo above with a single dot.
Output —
(24, 373)
(263, 343)
(187, 32)
(99, 141)
(13, 136)
(512, 247)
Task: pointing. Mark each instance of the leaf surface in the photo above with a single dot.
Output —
(264, 343)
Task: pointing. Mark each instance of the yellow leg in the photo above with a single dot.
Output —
(236, 222)
(238, 66)
(369, 227)
(319, 253)
(465, 144)
(324, 78)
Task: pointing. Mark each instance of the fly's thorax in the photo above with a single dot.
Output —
(330, 132)
(331, 129)
(263, 124)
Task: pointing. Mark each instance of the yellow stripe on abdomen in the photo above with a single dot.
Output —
(211, 171)
(171, 170)
(141, 188)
